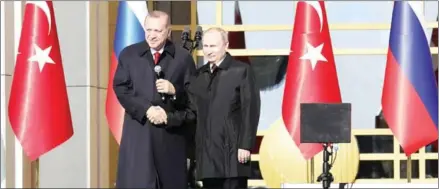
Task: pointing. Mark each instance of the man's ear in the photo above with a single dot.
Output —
(169, 32)
(227, 45)
(144, 23)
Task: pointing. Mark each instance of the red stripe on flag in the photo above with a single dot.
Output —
(113, 109)
(399, 100)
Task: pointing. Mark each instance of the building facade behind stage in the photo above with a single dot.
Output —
(359, 32)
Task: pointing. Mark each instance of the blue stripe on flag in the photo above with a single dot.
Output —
(411, 49)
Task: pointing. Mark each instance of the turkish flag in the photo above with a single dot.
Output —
(311, 74)
(39, 110)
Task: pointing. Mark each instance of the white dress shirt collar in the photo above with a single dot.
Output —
(154, 51)
(217, 64)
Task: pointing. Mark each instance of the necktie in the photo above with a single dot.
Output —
(213, 68)
(156, 57)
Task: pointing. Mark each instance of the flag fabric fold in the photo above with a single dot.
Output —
(311, 74)
(38, 109)
(129, 30)
(410, 97)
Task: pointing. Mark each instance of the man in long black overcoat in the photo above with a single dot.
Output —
(152, 151)
(226, 102)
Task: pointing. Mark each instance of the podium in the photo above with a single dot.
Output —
(325, 124)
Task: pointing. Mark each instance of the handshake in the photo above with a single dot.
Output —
(157, 115)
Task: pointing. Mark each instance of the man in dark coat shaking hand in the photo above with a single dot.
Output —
(224, 96)
(152, 151)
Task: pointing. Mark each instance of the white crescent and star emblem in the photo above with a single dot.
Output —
(318, 8)
(42, 56)
(314, 54)
(45, 8)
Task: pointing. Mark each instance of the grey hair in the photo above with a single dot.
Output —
(159, 14)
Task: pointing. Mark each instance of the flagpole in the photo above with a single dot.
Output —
(409, 169)
(312, 170)
(35, 173)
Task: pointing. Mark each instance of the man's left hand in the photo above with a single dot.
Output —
(164, 86)
(243, 156)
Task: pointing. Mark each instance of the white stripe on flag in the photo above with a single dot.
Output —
(140, 9)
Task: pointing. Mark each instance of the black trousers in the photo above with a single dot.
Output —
(225, 183)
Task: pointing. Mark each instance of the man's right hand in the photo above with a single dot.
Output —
(156, 115)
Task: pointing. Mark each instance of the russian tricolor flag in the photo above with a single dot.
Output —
(129, 30)
(410, 93)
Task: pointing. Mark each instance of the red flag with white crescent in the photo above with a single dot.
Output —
(39, 110)
(311, 74)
